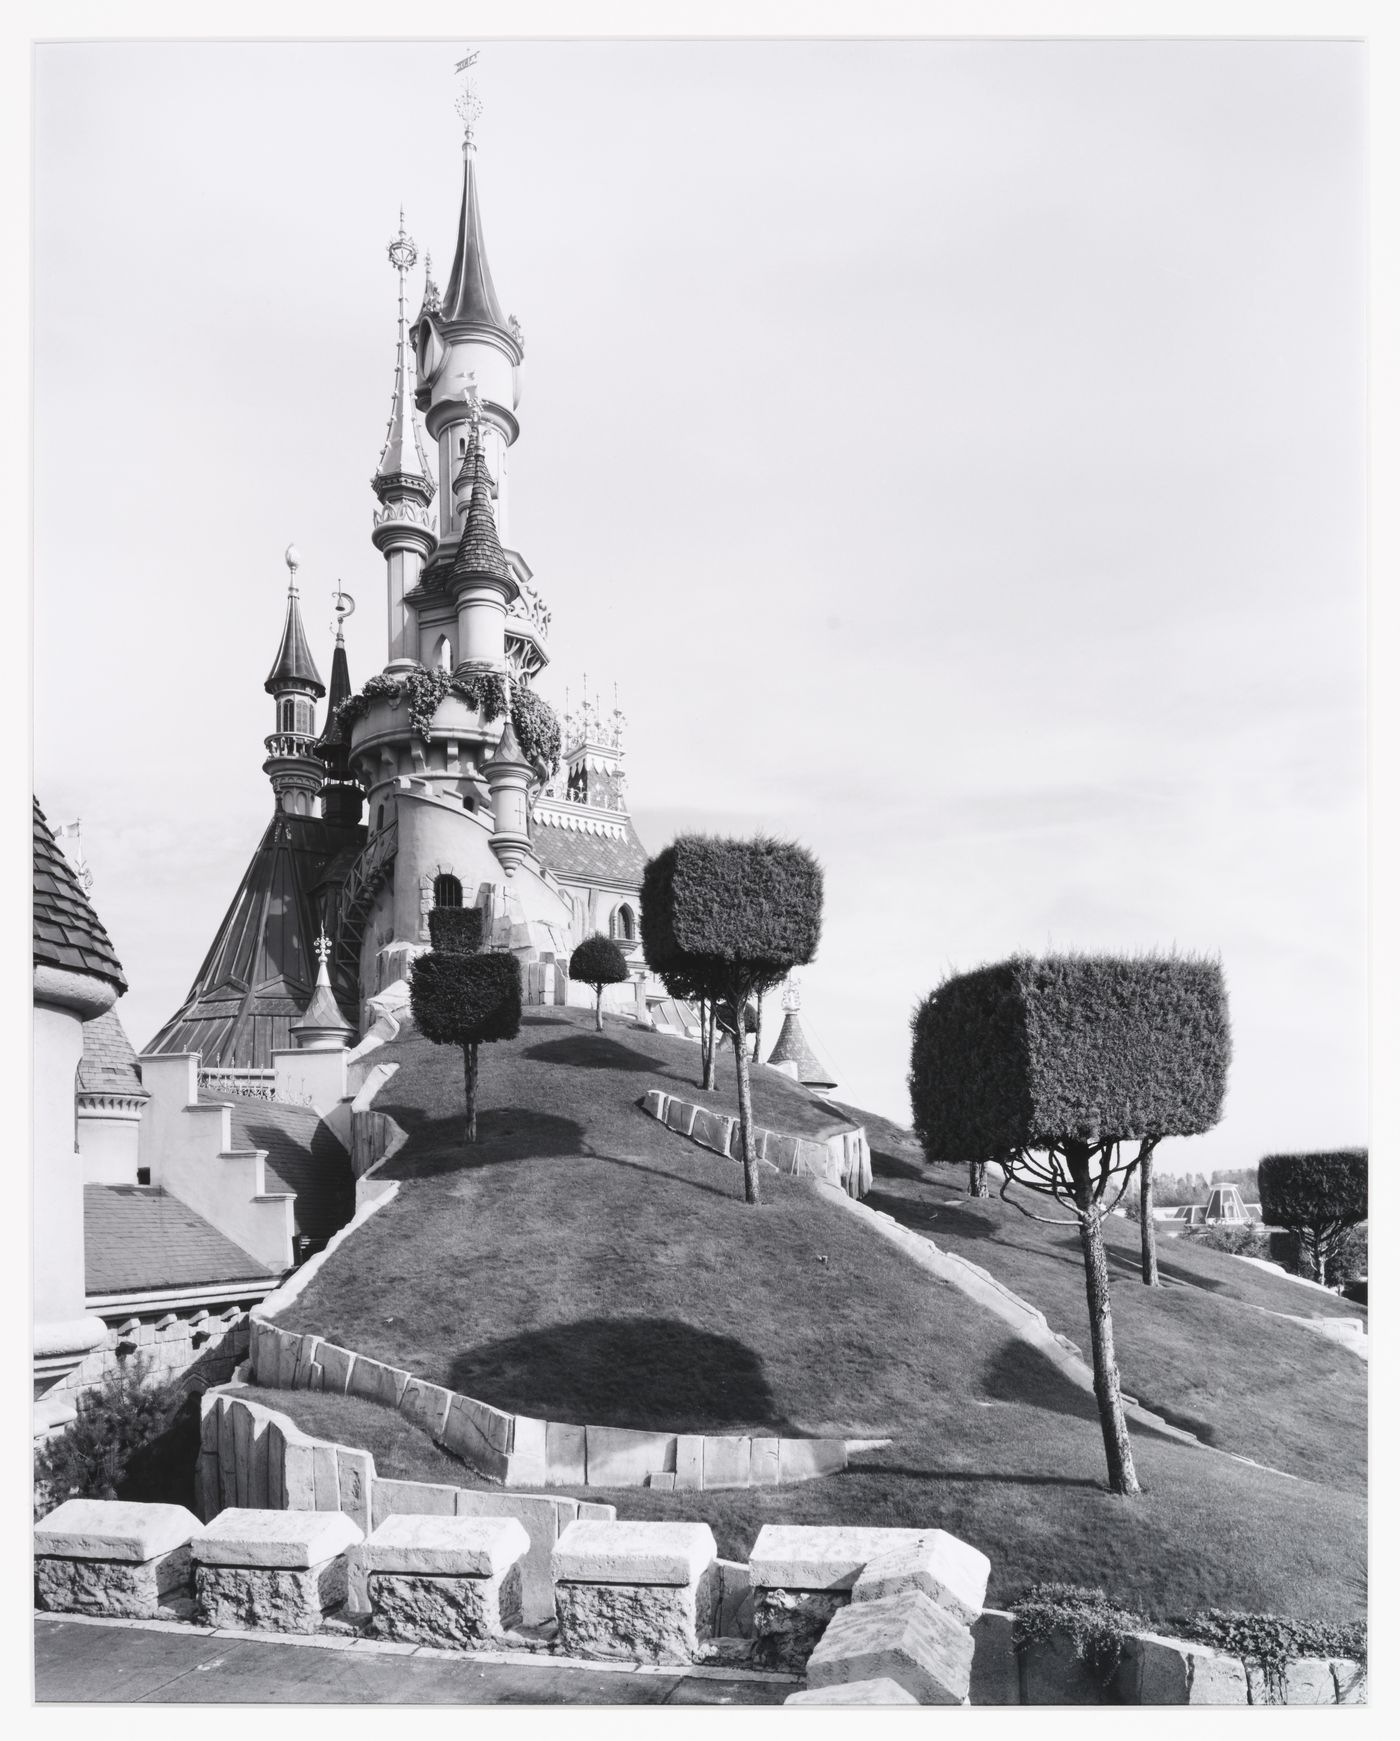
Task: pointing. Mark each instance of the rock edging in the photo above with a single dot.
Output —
(841, 1160)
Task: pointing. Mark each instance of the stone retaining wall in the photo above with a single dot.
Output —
(841, 1159)
(205, 1346)
(518, 1451)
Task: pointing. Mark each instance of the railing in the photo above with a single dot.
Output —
(292, 743)
(246, 1084)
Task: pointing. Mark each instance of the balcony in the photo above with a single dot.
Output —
(292, 743)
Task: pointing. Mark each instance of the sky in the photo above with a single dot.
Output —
(954, 452)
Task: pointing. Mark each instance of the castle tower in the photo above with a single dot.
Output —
(295, 684)
(403, 481)
(593, 771)
(341, 798)
(480, 582)
(509, 775)
(469, 353)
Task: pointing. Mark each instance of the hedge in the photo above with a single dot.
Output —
(729, 902)
(459, 1000)
(1313, 1189)
(456, 930)
(1027, 1053)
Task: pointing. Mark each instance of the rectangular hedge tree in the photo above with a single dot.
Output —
(1045, 1067)
(463, 1000)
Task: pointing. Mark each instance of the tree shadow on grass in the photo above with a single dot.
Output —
(512, 1133)
(593, 1051)
(656, 1374)
(1023, 1374)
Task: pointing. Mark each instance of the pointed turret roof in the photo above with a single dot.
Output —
(508, 753)
(402, 456)
(793, 1047)
(67, 932)
(479, 549)
(294, 664)
(470, 294)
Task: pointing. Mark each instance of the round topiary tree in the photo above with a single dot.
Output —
(733, 917)
(1319, 1196)
(465, 1000)
(1046, 1068)
(598, 962)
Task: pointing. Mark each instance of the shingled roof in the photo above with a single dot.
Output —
(138, 1238)
(67, 932)
(109, 1060)
(580, 847)
(794, 1047)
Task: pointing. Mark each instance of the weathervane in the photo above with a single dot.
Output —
(468, 104)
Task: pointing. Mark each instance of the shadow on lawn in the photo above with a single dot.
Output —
(657, 1374)
(1021, 1373)
(593, 1051)
(435, 1144)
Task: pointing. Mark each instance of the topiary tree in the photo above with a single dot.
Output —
(1319, 1196)
(1046, 1068)
(598, 962)
(456, 930)
(732, 916)
(465, 1000)
(686, 990)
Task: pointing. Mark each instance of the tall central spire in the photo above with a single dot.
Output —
(470, 294)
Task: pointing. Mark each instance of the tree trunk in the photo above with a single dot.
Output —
(1319, 1255)
(741, 1063)
(598, 1010)
(758, 1032)
(1108, 1392)
(1150, 1278)
(977, 1179)
(469, 1072)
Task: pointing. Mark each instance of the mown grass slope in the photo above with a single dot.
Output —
(585, 1264)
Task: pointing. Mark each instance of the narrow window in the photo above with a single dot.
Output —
(447, 892)
(379, 821)
(623, 923)
(287, 714)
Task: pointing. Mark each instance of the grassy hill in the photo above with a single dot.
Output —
(586, 1264)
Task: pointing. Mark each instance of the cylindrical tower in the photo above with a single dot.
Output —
(292, 765)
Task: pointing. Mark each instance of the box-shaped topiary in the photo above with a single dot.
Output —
(456, 930)
(466, 1000)
(1319, 1196)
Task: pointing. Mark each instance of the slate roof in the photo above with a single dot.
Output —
(305, 1158)
(258, 976)
(794, 1047)
(470, 294)
(575, 854)
(294, 663)
(67, 932)
(109, 1061)
(479, 549)
(138, 1238)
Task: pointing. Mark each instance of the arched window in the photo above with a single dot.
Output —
(624, 924)
(379, 821)
(303, 716)
(286, 714)
(447, 892)
(445, 654)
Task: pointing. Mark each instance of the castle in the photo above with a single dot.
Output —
(446, 780)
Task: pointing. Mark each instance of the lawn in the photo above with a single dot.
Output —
(1197, 1350)
(584, 1263)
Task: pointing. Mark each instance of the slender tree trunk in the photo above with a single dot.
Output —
(977, 1179)
(741, 1064)
(1150, 1278)
(1108, 1392)
(598, 1009)
(758, 1033)
(1319, 1255)
(469, 1072)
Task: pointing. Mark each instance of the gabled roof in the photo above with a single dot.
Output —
(258, 976)
(67, 932)
(138, 1238)
(470, 294)
(294, 664)
(577, 847)
(109, 1061)
(794, 1047)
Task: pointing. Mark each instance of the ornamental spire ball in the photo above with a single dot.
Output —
(292, 557)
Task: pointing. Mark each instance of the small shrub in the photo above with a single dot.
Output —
(456, 930)
(1251, 1241)
(134, 1438)
(598, 962)
(1271, 1642)
(1087, 1617)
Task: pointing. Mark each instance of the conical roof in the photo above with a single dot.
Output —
(508, 753)
(470, 294)
(294, 664)
(109, 1059)
(793, 1047)
(67, 932)
(402, 456)
(479, 550)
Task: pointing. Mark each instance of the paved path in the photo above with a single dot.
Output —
(81, 1661)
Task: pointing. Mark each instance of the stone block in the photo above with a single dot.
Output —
(410, 1498)
(996, 1669)
(355, 1473)
(299, 1475)
(449, 1612)
(290, 1540)
(788, 1623)
(1308, 1681)
(815, 1161)
(782, 1152)
(376, 1382)
(690, 1460)
(633, 1553)
(804, 1459)
(114, 1529)
(712, 1130)
(335, 1364)
(655, 1103)
(129, 1589)
(479, 1434)
(951, 1573)
(426, 1406)
(242, 1452)
(228, 1484)
(726, 1460)
(596, 1510)
(542, 1519)
(664, 1480)
(877, 1692)
(262, 1351)
(1172, 1671)
(820, 1556)
(565, 1455)
(306, 1357)
(906, 1638)
(763, 1463)
(1350, 1680)
(270, 1598)
(207, 1484)
(258, 1498)
(327, 1477)
(527, 1464)
(733, 1617)
(654, 1623)
(619, 1457)
(457, 1547)
(288, 1347)
(1052, 1673)
(680, 1116)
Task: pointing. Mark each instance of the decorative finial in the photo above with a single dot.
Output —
(344, 607)
(292, 557)
(432, 296)
(468, 104)
(403, 252)
(322, 947)
(792, 995)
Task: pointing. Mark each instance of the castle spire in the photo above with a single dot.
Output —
(479, 550)
(402, 457)
(295, 685)
(294, 667)
(470, 295)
